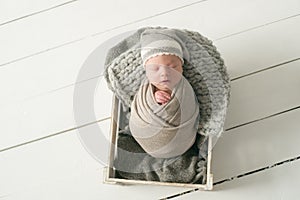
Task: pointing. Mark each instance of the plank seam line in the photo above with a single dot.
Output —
(4, 196)
(258, 170)
(257, 27)
(146, 18)
(263, 118)
(107, 118)
(239, 176)
(99, 33)
(54, 134)
(266, 69)
(37, 12)
(60, 88)
(108, 30)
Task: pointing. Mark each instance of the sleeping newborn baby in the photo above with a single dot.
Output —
(163, 72)
(164, 112)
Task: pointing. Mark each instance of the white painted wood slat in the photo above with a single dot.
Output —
(11, 11)
(85, 18)
(51, 113)
(264, 94)
(47, 72)
(261, 48)
(276, 184)
(56, 69)
(59, 68)
(75, 21)
(256, 145)
(60, 168)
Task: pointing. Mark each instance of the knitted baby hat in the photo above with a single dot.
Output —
(161, 42)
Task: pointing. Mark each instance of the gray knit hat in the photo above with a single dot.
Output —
(160, 42)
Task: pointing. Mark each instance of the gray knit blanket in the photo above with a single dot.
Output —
(207, 74)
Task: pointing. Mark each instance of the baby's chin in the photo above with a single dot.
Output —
(162, 87)
(165, 86)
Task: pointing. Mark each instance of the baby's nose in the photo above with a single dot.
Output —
(165, 70)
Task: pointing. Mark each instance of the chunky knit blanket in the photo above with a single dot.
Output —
(205, 71)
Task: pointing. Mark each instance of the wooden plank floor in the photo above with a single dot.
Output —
(43, 47)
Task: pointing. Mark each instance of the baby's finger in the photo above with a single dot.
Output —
(167, 96)
(161, 99)
(164, 94)
(164, 97)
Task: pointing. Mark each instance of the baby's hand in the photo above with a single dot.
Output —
(162, 96)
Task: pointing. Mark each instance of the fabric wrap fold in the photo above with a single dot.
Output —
(166, 130)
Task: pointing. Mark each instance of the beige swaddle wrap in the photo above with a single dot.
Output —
(168, 130)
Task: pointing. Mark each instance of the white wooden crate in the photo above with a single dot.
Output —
(109, 171)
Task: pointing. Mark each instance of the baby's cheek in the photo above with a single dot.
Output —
(149, 74)
(151, 77)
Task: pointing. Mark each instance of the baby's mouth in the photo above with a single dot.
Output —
(165, 81)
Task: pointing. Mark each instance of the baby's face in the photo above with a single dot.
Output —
(164, 71)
